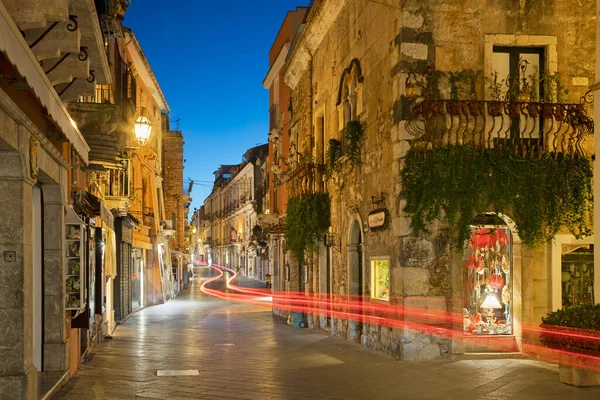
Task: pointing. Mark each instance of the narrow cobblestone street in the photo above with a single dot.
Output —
(273, 361)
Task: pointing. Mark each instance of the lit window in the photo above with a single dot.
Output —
(488, 265)
(380, 275)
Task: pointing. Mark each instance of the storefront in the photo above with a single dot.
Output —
(137, 278)
(125, 265)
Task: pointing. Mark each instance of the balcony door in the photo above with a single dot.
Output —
(520, 78)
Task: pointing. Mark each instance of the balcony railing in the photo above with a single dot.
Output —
(117, 183)
(525, 127)
(103, 95)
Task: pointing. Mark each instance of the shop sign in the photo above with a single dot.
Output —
(377, 219)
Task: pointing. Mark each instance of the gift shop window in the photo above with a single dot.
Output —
(488, 265)
(380, 275)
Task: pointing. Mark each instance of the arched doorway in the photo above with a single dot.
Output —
(356, 275)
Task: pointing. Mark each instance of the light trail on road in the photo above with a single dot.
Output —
(421, 320)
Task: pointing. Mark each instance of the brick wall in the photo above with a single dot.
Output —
(173, 185)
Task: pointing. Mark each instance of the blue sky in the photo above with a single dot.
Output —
(210, 59)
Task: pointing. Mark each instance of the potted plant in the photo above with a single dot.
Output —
(575, 332)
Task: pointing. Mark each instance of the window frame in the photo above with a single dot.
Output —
(373, 277)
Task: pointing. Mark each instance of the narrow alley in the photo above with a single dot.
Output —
(242, 352)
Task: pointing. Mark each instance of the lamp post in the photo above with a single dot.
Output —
(143, 129)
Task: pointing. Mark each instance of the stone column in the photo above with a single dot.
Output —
(355, 283)
(56, 342)
(18, 376)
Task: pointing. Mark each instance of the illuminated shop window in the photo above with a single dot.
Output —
(577, 274)
(488, 265)
(380, 275)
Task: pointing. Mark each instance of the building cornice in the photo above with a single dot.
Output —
(276, 67)
(321, 18)
(144, 70)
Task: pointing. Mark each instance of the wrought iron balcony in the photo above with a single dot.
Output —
(525, 127)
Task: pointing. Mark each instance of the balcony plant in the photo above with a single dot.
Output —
(575, 332)
(308, 218)
(334, 152)
(353, 135)
(542, 193)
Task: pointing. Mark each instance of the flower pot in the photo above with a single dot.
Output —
(576, 346)
(571, 371)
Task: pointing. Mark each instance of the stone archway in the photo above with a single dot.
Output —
(356, 274)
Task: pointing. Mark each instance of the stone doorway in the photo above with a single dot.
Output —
(38, 276)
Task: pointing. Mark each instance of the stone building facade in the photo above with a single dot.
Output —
(352, 62)
(43, 153)
(85, 198)
(279, 145)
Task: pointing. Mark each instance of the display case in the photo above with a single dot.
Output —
(380, 275)
(488, 266)
(75, 231)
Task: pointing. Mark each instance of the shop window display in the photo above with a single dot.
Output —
(488, 265)
(577, 274)
(380, 273)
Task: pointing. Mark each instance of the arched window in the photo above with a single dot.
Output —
(349, 101)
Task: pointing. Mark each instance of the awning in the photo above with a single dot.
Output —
(92, 206)
(16, 49)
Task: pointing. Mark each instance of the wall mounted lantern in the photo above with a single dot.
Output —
(143, 129)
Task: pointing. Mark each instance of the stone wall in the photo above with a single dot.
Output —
(389, 40)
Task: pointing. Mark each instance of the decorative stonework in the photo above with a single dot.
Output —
(34, 166)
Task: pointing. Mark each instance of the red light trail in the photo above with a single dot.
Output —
(445, 325)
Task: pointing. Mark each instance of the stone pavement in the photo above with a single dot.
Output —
(273, 361)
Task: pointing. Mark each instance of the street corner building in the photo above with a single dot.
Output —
(424, 129)
(84, 237)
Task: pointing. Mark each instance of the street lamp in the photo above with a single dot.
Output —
(143, 129)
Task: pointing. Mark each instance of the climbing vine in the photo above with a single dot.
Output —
(334, 152)
(542, 193)
(353, 135)
(308, 217)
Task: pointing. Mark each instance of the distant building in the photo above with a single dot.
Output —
(231, 213)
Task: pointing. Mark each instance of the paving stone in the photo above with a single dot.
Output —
(272, 361)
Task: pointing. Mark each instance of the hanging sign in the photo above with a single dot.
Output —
(377, 219)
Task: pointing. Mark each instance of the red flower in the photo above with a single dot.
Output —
(474, 263)
(496, 281)
(501, 237)
(484, 238)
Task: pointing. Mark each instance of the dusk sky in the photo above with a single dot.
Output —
(210, 59)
